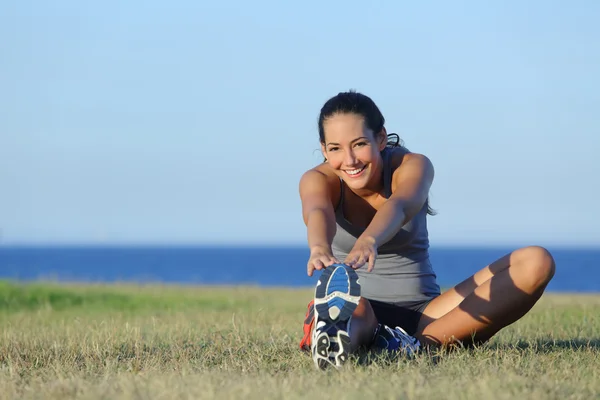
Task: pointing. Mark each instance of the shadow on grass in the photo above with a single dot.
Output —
(365, 357)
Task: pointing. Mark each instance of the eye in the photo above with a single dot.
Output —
(333, 148)
(360, 144)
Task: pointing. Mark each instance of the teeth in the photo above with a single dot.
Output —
(354, 171)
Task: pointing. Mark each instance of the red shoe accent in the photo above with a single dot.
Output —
(309, 321)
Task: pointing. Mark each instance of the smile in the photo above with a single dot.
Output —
(355, 172)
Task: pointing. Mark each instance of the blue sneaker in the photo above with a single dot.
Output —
(336, 297)
(396, 340)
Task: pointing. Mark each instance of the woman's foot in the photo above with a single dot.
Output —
(395, 339)
(336, 297)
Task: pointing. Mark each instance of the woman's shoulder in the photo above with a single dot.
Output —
(323, 171)
(400, 155)
(322, 175)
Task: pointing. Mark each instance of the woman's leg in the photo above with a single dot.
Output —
(493, 298)
(362, 325)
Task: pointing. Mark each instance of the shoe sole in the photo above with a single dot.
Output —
(336, 297)
(324, 355)
(337, 293)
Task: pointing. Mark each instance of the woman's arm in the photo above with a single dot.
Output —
(319, 217)
(411, 182)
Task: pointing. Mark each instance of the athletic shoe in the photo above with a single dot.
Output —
(336, 297)
(396, 340)
(309, 322)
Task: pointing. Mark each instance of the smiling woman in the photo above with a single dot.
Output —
(366, 208)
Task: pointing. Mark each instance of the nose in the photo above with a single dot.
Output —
(350, 158)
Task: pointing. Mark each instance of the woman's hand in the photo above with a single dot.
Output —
(320, 258)
(364, 251)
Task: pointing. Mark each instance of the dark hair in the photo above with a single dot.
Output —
(352, 102)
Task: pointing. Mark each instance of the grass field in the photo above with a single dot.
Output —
(168, 342)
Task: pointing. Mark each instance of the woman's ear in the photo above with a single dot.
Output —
(382, 139)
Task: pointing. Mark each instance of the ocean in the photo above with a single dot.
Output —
(578, 270)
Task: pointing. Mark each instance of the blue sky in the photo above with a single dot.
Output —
(146, 122)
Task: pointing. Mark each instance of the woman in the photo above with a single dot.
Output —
(366, 206)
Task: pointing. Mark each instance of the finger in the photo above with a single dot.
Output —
(350, 259)
(334, 260)
(371, 262)
(327, 261)
(312, 265)
(361, 261)
(318, 264)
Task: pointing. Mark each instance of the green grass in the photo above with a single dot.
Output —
(176, 342)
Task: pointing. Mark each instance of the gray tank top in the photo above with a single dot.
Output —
(402, 269)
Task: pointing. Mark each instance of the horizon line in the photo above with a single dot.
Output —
(267, 244)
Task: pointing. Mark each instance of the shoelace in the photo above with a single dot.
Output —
(395, 339)
(400, 334)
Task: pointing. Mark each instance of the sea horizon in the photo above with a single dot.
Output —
(578, 268)
(246, 245)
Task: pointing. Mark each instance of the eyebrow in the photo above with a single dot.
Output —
(337, 144)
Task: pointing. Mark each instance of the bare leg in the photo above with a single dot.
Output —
(362, 325)
(493, 298)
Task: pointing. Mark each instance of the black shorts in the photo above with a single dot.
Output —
(405, 314)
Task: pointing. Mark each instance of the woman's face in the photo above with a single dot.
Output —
(352, 150)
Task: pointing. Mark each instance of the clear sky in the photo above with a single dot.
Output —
(191, 122)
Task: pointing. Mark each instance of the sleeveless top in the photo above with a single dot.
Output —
(402, 271)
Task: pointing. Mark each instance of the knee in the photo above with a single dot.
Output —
(539, 264)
